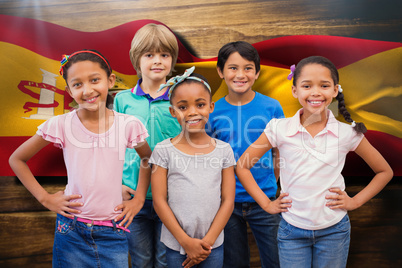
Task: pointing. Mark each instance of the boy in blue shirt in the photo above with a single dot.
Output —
(239, 119)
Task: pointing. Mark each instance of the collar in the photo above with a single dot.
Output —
(137, 90)
(295, 125)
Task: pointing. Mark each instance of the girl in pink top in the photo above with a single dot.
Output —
(315, 229)
(91, 215)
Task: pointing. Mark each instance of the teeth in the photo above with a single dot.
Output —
(192, 122)
(315, 102)
(92, 99)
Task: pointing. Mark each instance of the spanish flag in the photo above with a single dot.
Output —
(33, 91)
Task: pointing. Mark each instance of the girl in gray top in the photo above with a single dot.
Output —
(193, 185)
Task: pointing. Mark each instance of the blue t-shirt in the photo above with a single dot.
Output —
(240, 126)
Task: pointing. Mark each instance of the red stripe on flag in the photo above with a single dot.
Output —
(52, 41)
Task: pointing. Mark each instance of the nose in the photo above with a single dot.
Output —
(240, 73)
(87, 90)
(157, 58)
(315, 91)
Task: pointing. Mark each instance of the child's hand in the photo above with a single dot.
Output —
(197, 251)
(61, 204)
(279, 205)
(130, 209)
(127, 192)
(340, 200)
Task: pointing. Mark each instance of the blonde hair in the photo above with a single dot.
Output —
(153, 37)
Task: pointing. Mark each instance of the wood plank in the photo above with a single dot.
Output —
(38, 261)
(15, 197)
(26, 234)
(223, 21)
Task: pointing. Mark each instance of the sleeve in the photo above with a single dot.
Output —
(229, 159)
(159, 157)
(53, 130)
(137, 133)
(271, 132)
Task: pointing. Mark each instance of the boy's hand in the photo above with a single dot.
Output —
(130, 209)
(197, 251)
(127, 192)
(279, 205)
(61, 203)
(340, 200)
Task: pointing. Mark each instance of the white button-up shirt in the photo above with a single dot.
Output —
(310, 166)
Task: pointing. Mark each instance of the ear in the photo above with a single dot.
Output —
(172, 111)
(294, 93)
(69, 91)
(220, 72)
(112, 80)
(211, 107)
(257, 75)
(336, 90)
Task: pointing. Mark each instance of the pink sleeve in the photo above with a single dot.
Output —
(52, 130)
(137, 133)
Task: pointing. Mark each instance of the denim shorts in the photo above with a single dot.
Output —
(328, 247)
(77, 244)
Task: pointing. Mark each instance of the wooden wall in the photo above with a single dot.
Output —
(26, 228)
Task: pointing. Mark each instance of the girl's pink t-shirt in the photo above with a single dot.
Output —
(94, 162)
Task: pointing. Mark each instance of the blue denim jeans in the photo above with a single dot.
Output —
(264, 227)
(77, 245)
(146, 249)
(214, 260)
(327, 247)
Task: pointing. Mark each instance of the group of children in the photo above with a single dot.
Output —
(195, 172)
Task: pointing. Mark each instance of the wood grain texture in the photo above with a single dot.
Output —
(204, 26)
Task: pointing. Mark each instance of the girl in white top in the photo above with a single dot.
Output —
(94, 140)
(315, 229)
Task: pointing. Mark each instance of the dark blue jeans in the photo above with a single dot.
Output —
(214, 260)
(78, 245)
(146, 249)
(264, 227)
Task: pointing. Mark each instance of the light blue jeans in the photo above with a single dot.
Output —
(264, 227)
(327, 247)
(214, 260)
(77, 245)
(146, 249)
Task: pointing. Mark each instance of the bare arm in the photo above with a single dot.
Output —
(57, 202)
(133, 206)
(251, 156)
(383, 175)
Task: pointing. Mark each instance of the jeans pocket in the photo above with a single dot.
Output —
(62, 226)
(343, 225)
(285, 229)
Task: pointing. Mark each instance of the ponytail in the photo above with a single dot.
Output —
(358, 127)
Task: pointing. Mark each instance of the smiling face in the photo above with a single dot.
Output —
(239, 74)
(191, 105)
(314, 89)
(88, 84)
(155, 66)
